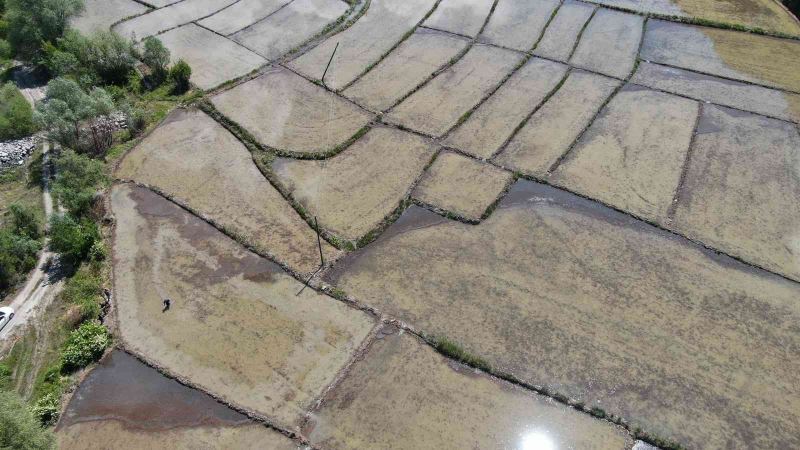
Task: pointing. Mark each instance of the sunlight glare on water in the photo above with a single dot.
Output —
(536, 440)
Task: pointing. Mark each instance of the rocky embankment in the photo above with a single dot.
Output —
(13, 153)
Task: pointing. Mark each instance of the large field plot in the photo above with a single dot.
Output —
(290, 26)
(742, 187)
(518, 25)
(101, 14)
(364, 43)
(494, 121)
(285, 111)
(241, 14)
(555, 126)
(609, 44)
(214, 59)
(417, 58)
(167, 18)
(464, 17)
(632, 155)
(194, 159)
(438, 105)
(603, 308)
(764, 60)
(560, 37)
(237, 326)
(740, 95)
(764, 14)
(356, 189)
(439, 404)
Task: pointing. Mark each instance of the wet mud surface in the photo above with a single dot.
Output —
(123, 388)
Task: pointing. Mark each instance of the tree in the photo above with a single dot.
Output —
(33, 22)
(16, 114)
(111, 56)
(180, 74)
(156, 56)
(19, 429)
(68, 107)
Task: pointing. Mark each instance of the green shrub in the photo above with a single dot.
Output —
(135, 82)
(19, 429)
(16, 115)
(47, 408)
(180, 74)
(17, 257)
(24, 221)
(135, 118)
(5, 49)
(84, 346)
(71, 238)
(85, 290)
(77, 180)
(156, 56)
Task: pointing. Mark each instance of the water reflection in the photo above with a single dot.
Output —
(536, 440)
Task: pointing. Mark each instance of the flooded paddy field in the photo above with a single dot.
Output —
(124, 403)
(459, 224)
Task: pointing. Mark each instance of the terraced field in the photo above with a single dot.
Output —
(459, 224)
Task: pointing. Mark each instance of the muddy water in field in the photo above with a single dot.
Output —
(125, 389)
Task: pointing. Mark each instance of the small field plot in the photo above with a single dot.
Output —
(405, 68)
(764, 14)
(610, 43)
(632, 155)
(441, 404)
(494, 121)
(555, 126)
(214, 59)
(172, 16)
(237, 325)
(364, 43)
(285, 111)
(561, 35)
(241, 14)
(764, 60)
(742, 187)
(289, 27)
(461, 185)
(740, 95)
(465, 17)
(355, 190)
(607, 310)
(99, 15)
(124, 404)
(194, 159)
(438, 105)
(518, 25)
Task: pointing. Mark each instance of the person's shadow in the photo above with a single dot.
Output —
(167, 304)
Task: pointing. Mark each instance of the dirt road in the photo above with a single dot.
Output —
(43, 284)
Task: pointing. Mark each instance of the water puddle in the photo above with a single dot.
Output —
(125, 389)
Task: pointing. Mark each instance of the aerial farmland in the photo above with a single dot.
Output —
(466, 224)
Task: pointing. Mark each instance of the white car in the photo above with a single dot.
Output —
(6, 314)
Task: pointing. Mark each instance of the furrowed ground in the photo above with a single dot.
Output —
(542, 225)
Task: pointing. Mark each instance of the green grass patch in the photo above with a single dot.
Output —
(452, 350)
